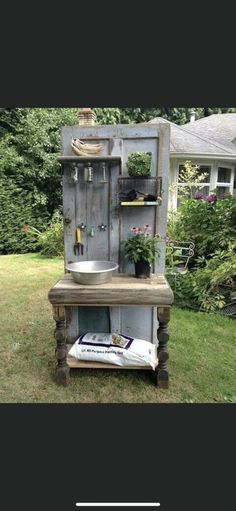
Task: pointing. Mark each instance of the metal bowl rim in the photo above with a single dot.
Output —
(68, 267)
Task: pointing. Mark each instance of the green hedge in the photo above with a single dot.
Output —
(17, 210)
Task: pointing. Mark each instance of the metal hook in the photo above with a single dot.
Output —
(92, 232)
(102, 227)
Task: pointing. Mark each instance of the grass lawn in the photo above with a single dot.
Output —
(202, 349)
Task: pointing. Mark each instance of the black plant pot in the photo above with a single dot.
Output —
(142, 269)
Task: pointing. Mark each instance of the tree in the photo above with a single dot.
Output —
(29, 148)
(190, 180)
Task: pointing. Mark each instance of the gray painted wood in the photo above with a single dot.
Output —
(95, 204)
(92, 208)
(163, 172)
(141, 322)
(68, 213)
(99, 132)
(115, 149)
(69, 239)
(86, 159)
(93, 319)
(124, 290)
(115, 320)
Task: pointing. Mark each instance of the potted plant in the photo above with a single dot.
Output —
(139, 164)
(142, 249)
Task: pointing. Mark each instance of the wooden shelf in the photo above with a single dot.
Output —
(140, 178)
(74, 363)
(81, 159)
(123, 290)
(141, 203)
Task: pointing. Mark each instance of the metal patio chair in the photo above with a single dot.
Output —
(181, 252)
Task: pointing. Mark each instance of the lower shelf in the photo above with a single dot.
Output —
(141, 203)
(74, 363)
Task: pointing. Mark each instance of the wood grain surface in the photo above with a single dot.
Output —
(122, 290)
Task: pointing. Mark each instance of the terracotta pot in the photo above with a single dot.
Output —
(142, 269)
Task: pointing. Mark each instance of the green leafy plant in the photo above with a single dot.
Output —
(209, 286)
(49, 242)
(139, 164)
(173, 259)
(142, 246)
(18, 208)
(211, 225)
(193, 290)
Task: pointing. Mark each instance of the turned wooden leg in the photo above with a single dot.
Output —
(62, 370)
(163, 316)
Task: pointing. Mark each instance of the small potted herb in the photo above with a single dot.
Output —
(139, 164)
(142, 249)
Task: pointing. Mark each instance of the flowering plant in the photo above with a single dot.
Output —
(142, 246)
(212, 198)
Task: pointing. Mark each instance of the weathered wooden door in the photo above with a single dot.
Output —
(96, 203)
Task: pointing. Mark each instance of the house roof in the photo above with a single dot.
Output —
(185, 142)
(220, 127)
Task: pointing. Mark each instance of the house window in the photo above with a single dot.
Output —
(224, 175)
(224, 181)
(221, 191)
(188, 190)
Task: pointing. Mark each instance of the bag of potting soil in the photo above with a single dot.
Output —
(115, 349)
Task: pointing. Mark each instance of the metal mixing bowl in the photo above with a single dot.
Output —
(92, 272)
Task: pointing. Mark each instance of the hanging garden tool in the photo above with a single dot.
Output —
(88, 173)
(78, 246)
(104, 178)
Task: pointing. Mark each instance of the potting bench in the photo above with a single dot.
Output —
(123, 290)
(93, 192)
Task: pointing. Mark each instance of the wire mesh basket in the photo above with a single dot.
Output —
(148, 186)
(229, 309)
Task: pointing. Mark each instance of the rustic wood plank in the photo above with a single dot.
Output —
(140, 203)
(83, 159)
(163, 173)
(142, 322)
(92, 208)
(136, 321)
(74, 363)
(80, 364)
(127, 278)
(96, 132)
(115, 148)
(69, 241)
(69, 215)
(115, 320)
(122, 290)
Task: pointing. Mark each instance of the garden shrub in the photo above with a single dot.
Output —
(209, 225)
(17, 209)
(195, 290)
(49, 242)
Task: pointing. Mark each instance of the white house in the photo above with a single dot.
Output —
(210, 143)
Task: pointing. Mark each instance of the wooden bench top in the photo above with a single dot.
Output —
(123, 290)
